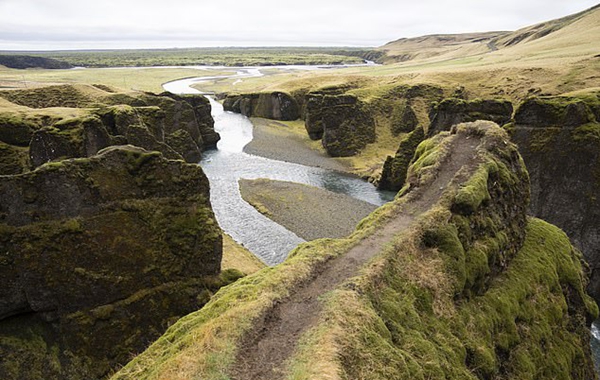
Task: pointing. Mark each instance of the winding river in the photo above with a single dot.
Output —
(225, 166)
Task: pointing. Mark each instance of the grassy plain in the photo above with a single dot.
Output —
(144, 79)
(226, 56)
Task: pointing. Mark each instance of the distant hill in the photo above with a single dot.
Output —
(439, 46)
(28, 62)
(577, 34)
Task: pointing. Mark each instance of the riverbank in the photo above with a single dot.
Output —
(236, 256)
(289, 142)
(309, 212)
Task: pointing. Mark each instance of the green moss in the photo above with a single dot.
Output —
(473, 193)
(542, 140)
(50, 96)
(15, 130)
(588, 133)
(13, 160)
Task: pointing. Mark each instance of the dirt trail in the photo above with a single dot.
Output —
(264, 354)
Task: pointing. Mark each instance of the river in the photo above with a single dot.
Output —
(228, 164)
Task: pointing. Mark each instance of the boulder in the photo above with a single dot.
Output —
(99, 256)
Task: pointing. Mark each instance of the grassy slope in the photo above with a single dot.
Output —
(236, 256)
(558, 62)
(438, 47)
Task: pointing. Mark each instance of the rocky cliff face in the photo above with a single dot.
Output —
(454, 111)
(342, 121)
(99, 256)
(180, 127)
(559, 139)
(395, 168)
(100, 253)
(270, 105)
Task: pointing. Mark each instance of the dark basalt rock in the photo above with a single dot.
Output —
(15, 131)
(395, 168)
(181, 141)
(553, 112)
(455, 111)
(99, 256)
(342, 121)
(206, 124)
(270, 105)
(13, 159)
(404, 120)
(559, 139)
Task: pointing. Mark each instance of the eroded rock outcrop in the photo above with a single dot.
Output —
(395, 168)
(342, 121)
(454, 111)
(99, 256)
(559, 139)
(180, 127)
(270, 105)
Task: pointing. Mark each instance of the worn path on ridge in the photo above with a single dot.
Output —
(263, 355)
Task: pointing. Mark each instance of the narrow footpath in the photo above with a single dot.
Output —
(265, 352)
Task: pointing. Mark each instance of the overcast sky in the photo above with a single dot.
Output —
(70, 24)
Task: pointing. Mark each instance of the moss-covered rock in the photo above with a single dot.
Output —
(343, 122)
(13, 159)
(269, 105)
(15, 130)
(110, 118)
(562, 154)
(206, 124)
(554, 112)
(395, 168)
(99, 256)
(79, 137)
(454, 111)
(182, 142)
(404, 120)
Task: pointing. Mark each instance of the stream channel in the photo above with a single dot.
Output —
(225, 166)
(228, 164)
